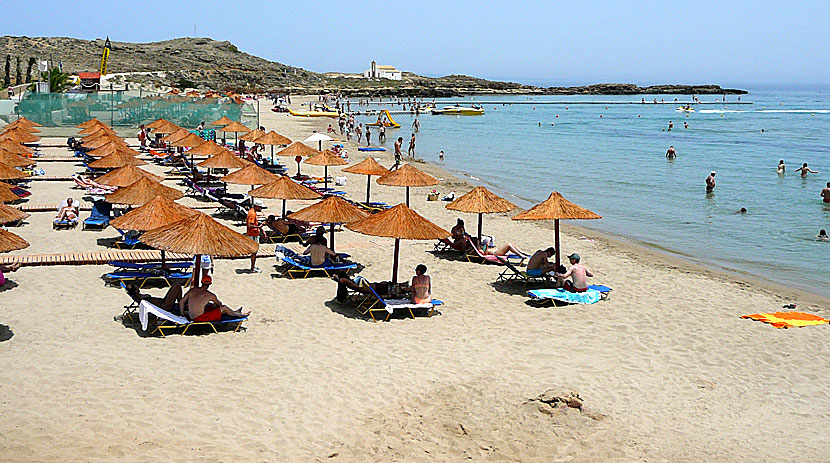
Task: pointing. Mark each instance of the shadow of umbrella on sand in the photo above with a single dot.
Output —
(331, 210)
(198, 235)
(556, 208)
(480, 201)
(399, 222)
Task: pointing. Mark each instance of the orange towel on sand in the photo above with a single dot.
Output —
(788, 319)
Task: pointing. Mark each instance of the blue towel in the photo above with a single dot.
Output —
(591, 296)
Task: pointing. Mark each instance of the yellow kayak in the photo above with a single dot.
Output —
(312, 113)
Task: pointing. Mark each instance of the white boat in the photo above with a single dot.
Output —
(459, 110)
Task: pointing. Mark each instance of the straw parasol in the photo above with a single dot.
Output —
(284, 188)
(199, 235)
(167, 127)
(18, 135)
(88, 123)
(10, 173)
(252, 135)
(399, 222)
(189, 140)
(326, 158)
(298, 150)
(407, 176)
(116, 160)
(319, 138)
(156, 123)
(21, 125)
(106, 136)
(175, 135)
(14, 160)
(126, 176)
(23, 120)
(272, 138)
(15, 147)
(104, 141)
(93, 129)
(223, 160)
(251, 174)
(6, 193)
(209, 148)
(223, 121)
(10, 242)
(555, 208)
(235, 127)
(367, 167)
(11, 214)
(155, 213)
(141, 192)
(331, 210)
(111, 148)
(480, 201)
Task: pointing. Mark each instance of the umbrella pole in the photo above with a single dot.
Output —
(272, 155)
(556, 240)
(395, 262)
(195, 279)
(479, 229)
(326, 177)
(319, 145)
(407, 196)
(331, 228)
(283, 208)
(368, 187)
(162, 258)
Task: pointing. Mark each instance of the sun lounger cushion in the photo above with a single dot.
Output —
(787, 319)
(591, 296)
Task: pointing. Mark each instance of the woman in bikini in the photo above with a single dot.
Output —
(421, 286)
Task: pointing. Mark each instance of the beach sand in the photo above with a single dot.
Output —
(665, 368)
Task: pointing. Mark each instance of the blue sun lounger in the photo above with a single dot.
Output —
(141, 278)
(297, 266)
(99, 218)
(379, 304)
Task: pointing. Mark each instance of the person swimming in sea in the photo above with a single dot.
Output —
(822, 235)
(782, 168)
(804, 170)
(741, 211)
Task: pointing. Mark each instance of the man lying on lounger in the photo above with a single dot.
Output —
(578, 273)
(201, 305)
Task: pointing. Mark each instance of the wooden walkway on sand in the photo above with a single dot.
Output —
(102, 257)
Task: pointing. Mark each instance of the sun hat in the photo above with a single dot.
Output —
(206, 280)
(574, 256)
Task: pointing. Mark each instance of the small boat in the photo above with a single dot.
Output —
(688, 109)
(459, 110)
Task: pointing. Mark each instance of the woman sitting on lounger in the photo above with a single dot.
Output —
(459, 235)
(68, 212)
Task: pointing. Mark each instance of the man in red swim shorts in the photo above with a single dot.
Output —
(201, 305)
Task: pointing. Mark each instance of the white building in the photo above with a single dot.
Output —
(382, 72)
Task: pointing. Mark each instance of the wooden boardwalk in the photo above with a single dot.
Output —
(102, 257)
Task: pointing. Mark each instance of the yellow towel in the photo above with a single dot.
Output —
(787, 319)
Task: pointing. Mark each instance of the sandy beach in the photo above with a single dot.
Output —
(666, 369)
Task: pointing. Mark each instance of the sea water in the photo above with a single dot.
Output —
(611, 160)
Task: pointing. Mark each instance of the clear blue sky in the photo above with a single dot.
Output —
(569, 42)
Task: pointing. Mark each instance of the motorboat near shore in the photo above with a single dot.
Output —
(460, 110)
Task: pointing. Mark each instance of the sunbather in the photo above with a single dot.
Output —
(7, 269)
(538, 265)
(68, 212)
(578, 273)
(317, 237)
(344, 283)
(503, 250)
(459, 235)
(169, 302)
(201, 305)
(320, 254)
(283, 226)
(421, 285)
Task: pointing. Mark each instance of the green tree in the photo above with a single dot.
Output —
(7, 79)
(18, 74)
(32, 62)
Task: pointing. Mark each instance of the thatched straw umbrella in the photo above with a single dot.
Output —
(19, 136)
(284, 188)
(88, 123)
(112, 148)
(274, 139)
(21, 125)
(156, 123)
(14, 160)
(399, 222)
(367, 167)
(100, 136)
(175, 135)
(158, 212)
(167, 127)
(10, 242)
(104, 141)
(126, 176)
(142, 192)
(11, 214)
(188, 141)
(10, 173)
(6, 193)
(199, 235)
(252, 135)
(480, 201)
(223, 160)
(15, 148)
(298, 150)
(116, 160)
(331, 210)
(234, 127)
(223, 121)
(23, 120)
(93, 129)
(250, 175)
(555, 208)
(327, 158)
(408, 176)
(209, 148)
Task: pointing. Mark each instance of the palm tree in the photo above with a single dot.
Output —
(59, 81)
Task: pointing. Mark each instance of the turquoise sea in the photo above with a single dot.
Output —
(615, 165)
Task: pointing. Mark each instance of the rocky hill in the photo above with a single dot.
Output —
(211, 64)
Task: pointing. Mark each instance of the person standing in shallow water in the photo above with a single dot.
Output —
(671, 153)
(710, 182)
(782, 168)
(825, 194)
(804, 170)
